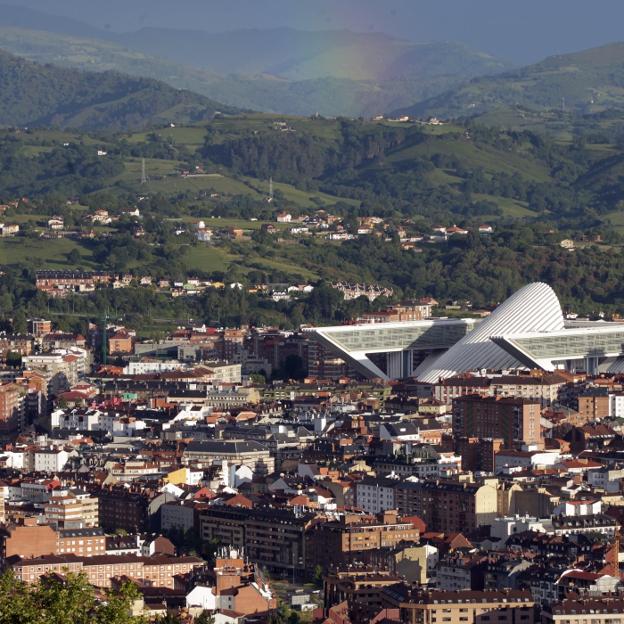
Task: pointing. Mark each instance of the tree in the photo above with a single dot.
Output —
(205, 617)
(14, 359)
(279, 615)
(169, 618)
(74, 258)
(318, 576)
(63, 600)
(20, 322)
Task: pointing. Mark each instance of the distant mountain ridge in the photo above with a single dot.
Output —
(310, 55)
(46, 95)
(277, 70)
(584, 82)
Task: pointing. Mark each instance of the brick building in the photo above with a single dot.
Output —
(512, 419)
(273, 538)
(461, 607)
(478, 453)
(123, 509)
(158, 570)
(593, 406)
(11, 409)
(334, 544)
(597, 610)
(33, 540)
(361, 588)
(448, 505)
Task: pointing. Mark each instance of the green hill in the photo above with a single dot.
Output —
(586, 82)
(46, 95)
(278, 71)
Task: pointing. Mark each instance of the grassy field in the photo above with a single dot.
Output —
(510, 207)
(207, 258)
(302, 199)
(191, 137)
(153, 167)
(474, 157)
(616, 219)
(213, 183)
(217, 223)
(49, 254)
(163, 178)
(285, 265)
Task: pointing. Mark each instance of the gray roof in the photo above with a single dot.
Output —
(231, 447)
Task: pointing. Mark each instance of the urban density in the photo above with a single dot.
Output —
(311, 312)
(486, 488)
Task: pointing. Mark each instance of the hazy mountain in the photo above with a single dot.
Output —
(334, 73)
(305, 55)
(24, 17)
(37, 95)
(585, 82)
(522, 32)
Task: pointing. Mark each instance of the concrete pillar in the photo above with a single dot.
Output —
(395, 365)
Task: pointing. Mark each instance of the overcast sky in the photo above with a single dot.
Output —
(517, 30)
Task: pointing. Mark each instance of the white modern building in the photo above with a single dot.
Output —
(527, 330)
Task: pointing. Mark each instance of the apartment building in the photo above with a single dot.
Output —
(123, 509)
(512, 419)
(248, 453)
(375, 495)
(597, 610)
(461, 607)
(62, 368)
(361, 588)
(37, 540)
(448, 505)
(99, 570)
(72, 509)
(273, 538)
(334, 544)
(536, 386)
(11, 409)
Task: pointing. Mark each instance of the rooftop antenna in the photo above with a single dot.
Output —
(143, 172)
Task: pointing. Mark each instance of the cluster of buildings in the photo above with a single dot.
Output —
(324, 225)
(447, 472)
(62, 284)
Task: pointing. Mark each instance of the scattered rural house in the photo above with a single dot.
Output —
(9, 229)
(56, 223)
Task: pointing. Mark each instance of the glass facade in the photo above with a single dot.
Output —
(572, 344)
(428, 336)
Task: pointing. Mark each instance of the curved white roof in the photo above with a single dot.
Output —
(534, 308)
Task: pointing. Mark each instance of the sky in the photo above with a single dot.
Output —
(520, 31)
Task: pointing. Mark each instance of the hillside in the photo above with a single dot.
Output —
(309, 55)
(280, 70)
(38, 95)
(584, 82)
(532, 190)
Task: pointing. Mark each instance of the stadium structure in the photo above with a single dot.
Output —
(528, 330)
